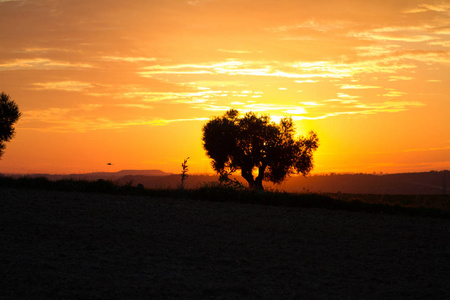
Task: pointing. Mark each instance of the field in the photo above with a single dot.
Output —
(132, 245)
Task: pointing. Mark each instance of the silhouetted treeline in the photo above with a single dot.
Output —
(405, 183)
(434, 182)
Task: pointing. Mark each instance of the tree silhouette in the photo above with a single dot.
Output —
(9, 114)
(251, 143)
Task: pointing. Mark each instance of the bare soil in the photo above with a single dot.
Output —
(75, 245)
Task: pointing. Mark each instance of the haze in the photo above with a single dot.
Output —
(130, 83)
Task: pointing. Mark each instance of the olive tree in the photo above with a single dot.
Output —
(254, 143)
(9, 114)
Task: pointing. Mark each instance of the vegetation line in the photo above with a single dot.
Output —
(414, 205)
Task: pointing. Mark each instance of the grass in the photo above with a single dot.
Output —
(416, 205)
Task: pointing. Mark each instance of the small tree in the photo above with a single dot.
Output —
(184, 170)
(9, 114)
(251, 143)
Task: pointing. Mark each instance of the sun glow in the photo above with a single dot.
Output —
(135, 83)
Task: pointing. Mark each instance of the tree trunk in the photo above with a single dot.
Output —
(258, 180)
(254, 183)
(247, 175)
(258, 185)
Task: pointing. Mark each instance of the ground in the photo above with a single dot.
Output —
(75, 245)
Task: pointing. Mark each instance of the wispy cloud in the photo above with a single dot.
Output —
(357, 86)
(134, 105)
(71, 86)
(41, 64)
(73, 120)
(397, 78)
(41, 50)
(393, 93)
(343, 101)
(128, 59)
(346, 96)
(389, 106)
(255, 68)
(235, 51)
(386, 36)
(442, 7)
(428, 149)
(313, 25)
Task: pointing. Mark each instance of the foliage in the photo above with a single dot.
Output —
(251, 143)
(9, 114)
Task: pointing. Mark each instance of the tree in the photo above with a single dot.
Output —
(251, 143)
(9, 114)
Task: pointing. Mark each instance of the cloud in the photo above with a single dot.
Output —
(128, 59)
(70, 86)
(391, 60)
(342, 101)
(134, 105)
(316, 110)
(389, 106)
(312, 25)
(297, 70)
(346, 96)
(357, 86)
(235, 51)
(429, 7)
(376, 50)
(392, 37)
(76, 120)
(297, 111)
(180, 97)
(394, 93)
(255, 107)
(429, 56)
(311, 103)
(397, 78)
(40, 64)
(443, 31)
(49, 114)
(441, 43)
(306, 81)
(428, 149)
(301, 72)
(353, 107)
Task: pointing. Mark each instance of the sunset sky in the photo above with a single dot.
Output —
(132, 82)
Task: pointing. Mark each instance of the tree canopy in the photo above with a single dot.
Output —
(9, 114)
(254, 142)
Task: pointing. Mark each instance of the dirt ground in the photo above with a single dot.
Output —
(93, 246)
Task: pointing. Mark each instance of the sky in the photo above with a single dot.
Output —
(108, 85)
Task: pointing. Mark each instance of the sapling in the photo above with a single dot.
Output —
(184, 170)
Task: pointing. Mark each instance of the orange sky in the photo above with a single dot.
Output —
(132, 82)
